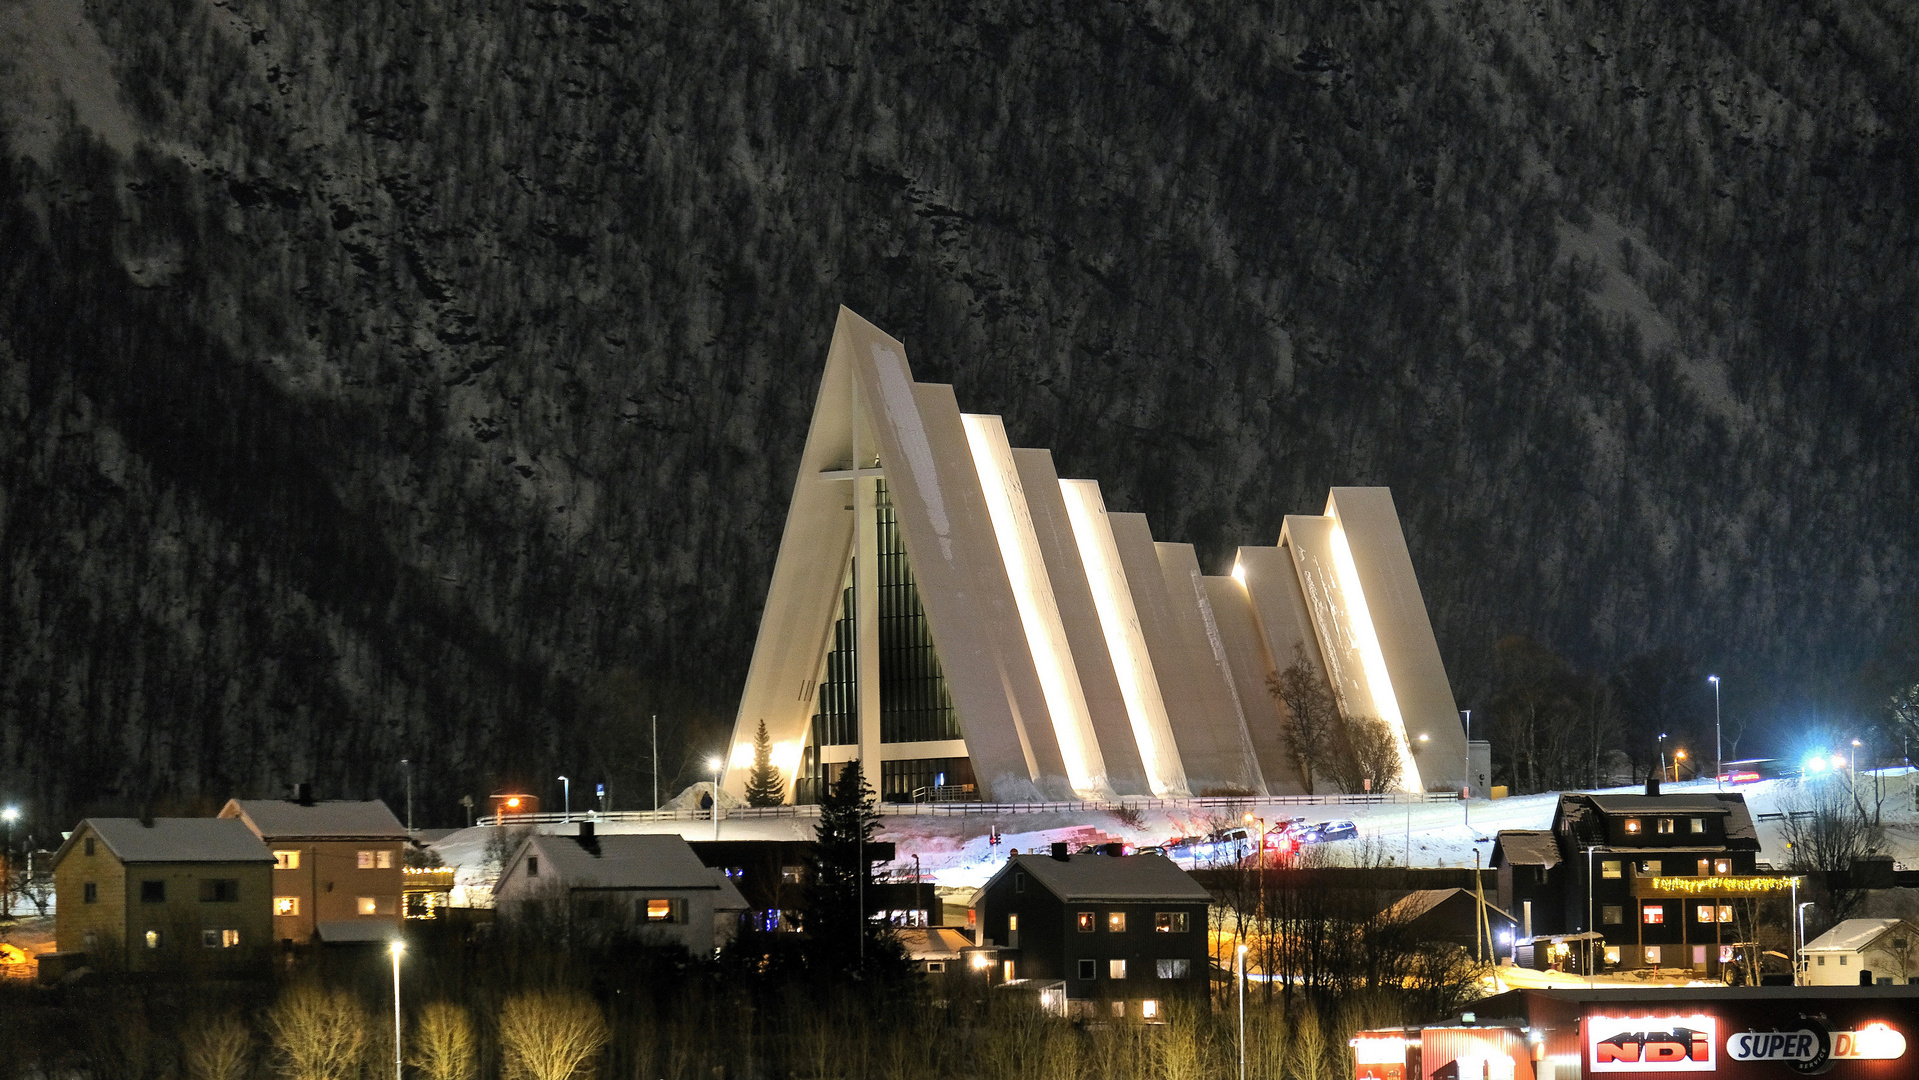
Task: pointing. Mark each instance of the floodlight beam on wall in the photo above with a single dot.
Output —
(1125, 641)
(1038, 610)
(1372, 659)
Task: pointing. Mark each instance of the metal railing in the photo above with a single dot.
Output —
(972, 809)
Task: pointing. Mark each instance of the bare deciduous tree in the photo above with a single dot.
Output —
(1312, 716)
(550, 1035)
(219, 1048)
(444, 1044)
(1373, 755)
(318, 1034)
(1829, 822)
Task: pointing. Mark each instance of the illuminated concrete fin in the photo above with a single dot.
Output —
(1279, 609)
(1196, 683)
(1383, 566)
(1252, 670)
(1039, 616)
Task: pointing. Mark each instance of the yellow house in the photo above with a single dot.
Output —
(163, 894)
(337, 865)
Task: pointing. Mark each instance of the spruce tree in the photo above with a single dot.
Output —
(764, 785)
(842, 938)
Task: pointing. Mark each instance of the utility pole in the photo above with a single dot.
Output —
(1718, 747)
(407, 765)
(656, 763)
(1466, 785)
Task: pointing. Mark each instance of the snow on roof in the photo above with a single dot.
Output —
(337, 819)
(172, 840)
(1851, 935)
(1741, 833)
(1526, 847)
(1111, 877)
(628, 861)
(934, 942)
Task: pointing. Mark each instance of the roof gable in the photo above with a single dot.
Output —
(333, 819)
(1852, 935)
(623, 861)
(179, 840)
(1110, 877)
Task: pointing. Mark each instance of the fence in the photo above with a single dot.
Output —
(974, 809)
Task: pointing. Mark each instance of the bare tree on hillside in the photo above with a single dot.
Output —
(1312, 716)
(1829, 823)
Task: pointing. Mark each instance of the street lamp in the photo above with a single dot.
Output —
(1677, 757)
(1800, 910)
(10, 815)
(715, 763)
(1662, 753)
(1718, 747)
(1466, 785)
(566, 786)
(396, 947)
(1855, 761)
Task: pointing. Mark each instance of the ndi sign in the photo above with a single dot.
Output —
(1641, 1044)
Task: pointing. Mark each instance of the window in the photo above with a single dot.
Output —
(369, 906)
(1725, 954)
(792, 875)
(286, 905)
(1116, 922)
(593, 909)
(1085, 921)
(934, 967)
(1612, 954)
(90, 893)
(219, 939)
(153, 939)
(1611, 868)
(1698, 956)
(286, 860)
(1704, 866)
(1116, 969)
(1007, 971)
(1822, 961)
(1842, 959)
(89, 845)
(1632, 826)
(1698, 825)
(1149, 1010)
(1089, 969)
(1612, 913)
(1652, 868)
(376, 860)
(1119, 1008)
(1665, 825)
(1170, 922)
(1652, 954)
(663, 911)
(1174, 969)
(1019, 882)
(1654, 914)
(1722, 866)
(153, 892)
(1705, 913)
(532, 866)
(219, 891)
(1898, 944)
(1012, 931)
(1725, 913)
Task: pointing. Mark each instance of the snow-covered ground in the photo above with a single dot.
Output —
(955, 852)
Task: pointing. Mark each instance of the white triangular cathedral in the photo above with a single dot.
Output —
(968, 625)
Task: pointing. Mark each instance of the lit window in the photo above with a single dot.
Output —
(1725, 954)
(1170, 922)
(366, 859)
(1174, 969)
(1725, 913)
(532, 866)
(369, 906)
(1116, 922)
(1612, 954)
(153, 939)
(286, 905)
(1652, 867)
(660, 911)
(1665, 825)
(1116, 969)
(383, 860)
(90, 893)
(1012, 931)
(1652, 954)
(219, 939)
(1611, 868)
(1722, 866)
(1704, 865)
(1008, 971)
(1085, 921)
(1612, 913)
(286, 860)
(1698, 825)
(1149, 1010)
(791, 875)
(229, 939)
(1705, 913)
(1654, 914)
(1089, 969)
(1698, 956)
(1632, 825)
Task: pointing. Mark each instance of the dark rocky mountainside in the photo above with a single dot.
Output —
(425, 377)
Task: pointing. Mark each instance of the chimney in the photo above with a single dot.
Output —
(1059, 850)
(303, 793)
(1652, 781)
(587, 840)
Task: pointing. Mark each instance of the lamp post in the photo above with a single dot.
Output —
(1718, 747)
(715, 764)
(1466, 785)
(1855, 762)
(1662, 753)
(566, 811)
(1799, 909)
(10, 815)
(1677, 757)
(396, 947)
(1242, 1011)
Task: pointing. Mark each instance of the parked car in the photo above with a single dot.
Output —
(1328, 831)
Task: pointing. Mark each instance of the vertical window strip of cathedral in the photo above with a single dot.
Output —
(914, 703)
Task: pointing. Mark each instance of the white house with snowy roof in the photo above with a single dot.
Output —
(1863, 952)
